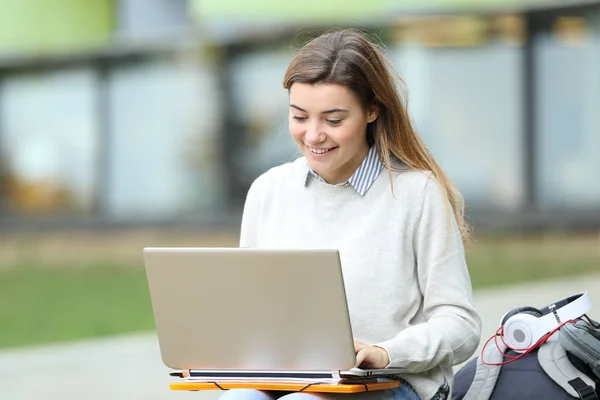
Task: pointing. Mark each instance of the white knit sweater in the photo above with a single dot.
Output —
(406, 280)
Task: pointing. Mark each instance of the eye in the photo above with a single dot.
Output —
(299, 118)
(334, 121)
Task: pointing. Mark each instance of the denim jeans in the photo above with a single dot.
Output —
(404, 392)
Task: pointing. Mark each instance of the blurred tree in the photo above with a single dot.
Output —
(18, 196)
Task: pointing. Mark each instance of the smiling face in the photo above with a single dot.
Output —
(329, 125)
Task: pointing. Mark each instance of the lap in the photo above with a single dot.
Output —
(401, 393)
(248, 394)
(404, 392)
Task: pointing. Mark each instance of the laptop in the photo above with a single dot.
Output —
(252, 313)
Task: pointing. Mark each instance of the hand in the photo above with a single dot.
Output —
(370, 357)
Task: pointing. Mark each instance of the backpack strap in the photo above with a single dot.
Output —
(584, 391)
(486, 375)
(554, 361)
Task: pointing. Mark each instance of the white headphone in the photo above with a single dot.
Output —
(524, 326)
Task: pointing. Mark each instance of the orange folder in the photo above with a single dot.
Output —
(287, 386)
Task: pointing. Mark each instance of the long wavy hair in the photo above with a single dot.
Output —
(348, 57)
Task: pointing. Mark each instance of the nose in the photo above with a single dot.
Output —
(314, 135)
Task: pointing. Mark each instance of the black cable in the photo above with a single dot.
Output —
(217, 385)
(312, 384)
(592, 322)
(301, 390)
(309, 385)
(325, 383)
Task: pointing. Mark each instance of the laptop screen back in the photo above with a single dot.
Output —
(250, 309)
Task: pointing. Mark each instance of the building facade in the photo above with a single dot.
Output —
(163, 112)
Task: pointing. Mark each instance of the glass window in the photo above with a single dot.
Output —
(567, 65)
(466, 103)
(164, 155)
(260, 106)
(49, 142)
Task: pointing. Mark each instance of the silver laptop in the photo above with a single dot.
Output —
(233, 312)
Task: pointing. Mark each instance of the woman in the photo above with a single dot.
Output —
(368, 186)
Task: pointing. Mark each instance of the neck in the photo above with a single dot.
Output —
(344, 172)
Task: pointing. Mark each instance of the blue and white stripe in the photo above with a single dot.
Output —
(363, 177)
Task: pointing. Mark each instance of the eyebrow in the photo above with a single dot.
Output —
(333, 110)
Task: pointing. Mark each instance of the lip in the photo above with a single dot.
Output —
(331, 149)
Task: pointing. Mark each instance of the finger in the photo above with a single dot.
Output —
(360, 358)
(374, 357)
(358, 345)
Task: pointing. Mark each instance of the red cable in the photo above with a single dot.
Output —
(500, 331)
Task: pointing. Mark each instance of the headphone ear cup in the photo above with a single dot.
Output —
(521, 310)
(532, 311)
(517, 328)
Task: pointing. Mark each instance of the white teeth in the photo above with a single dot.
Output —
(318, 151)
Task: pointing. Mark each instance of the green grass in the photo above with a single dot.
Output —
(495, 261)
(47, 303)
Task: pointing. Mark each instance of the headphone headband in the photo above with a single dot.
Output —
(570, 301)
(522, 330)
(569, 308)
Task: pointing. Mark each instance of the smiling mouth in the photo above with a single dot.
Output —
(315, 150)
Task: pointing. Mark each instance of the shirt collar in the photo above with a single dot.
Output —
(363, 177)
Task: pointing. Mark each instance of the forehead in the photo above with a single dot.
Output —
(322, 96)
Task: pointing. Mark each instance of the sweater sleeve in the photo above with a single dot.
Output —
(250, 216)
(452, 327)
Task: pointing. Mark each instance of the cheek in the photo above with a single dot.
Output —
(295, 131)
(350, 134)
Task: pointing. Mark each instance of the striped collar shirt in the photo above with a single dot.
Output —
(363, 177)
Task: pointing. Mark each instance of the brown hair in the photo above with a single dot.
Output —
(347, 57)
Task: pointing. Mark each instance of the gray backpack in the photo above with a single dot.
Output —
(567, 366)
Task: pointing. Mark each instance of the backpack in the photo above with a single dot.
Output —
(566, 366)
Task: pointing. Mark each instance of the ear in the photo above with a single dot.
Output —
(372, 114)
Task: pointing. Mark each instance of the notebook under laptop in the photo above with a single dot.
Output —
(252, 313)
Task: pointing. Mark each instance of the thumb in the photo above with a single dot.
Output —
(358, 345)
(360, 357)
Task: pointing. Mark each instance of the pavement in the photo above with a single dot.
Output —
(129, 367)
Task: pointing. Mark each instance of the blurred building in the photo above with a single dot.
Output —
(136, 112)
